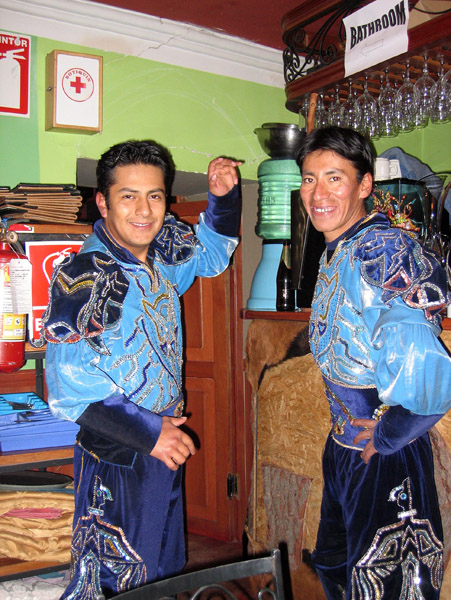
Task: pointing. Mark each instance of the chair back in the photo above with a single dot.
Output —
(197, 582)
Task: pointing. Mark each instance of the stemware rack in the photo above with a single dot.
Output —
(325, 72)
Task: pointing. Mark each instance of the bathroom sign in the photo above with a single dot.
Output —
(14, 74)
(375, 33)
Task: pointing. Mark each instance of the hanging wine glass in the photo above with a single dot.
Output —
(321, 116)
(303, 112)
(335, 116)
(387, 114)
(367, 110)
(350, 110)
(441, 96)
(423, 90)
(405, 103)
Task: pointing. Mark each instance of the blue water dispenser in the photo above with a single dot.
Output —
(277, 177)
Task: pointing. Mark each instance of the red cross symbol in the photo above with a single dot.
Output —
(77, 84)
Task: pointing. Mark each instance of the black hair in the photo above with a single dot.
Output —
(146, 152)
(346, 142)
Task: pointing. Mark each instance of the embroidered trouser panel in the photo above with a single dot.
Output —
(128, 525)
(380, 534)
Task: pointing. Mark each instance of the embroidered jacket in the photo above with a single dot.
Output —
(113, 326)
(375, 321)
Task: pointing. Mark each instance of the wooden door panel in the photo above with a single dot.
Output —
(201, 470)
(207, 388)
(198, 314)
(207, 392)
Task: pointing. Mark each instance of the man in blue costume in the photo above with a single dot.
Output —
(114, 360)
(374, 332)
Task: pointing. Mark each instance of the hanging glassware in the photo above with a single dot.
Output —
(387, 114)
(321, 116)
(350, 110)
(423, 91)
(405, 103)
(335, 115)
(441, 96)
(367, 111)
(303, 112)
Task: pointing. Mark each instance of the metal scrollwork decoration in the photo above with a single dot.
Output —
(304, 54)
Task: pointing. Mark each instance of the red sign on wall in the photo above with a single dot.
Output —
(14, 74)
(43, 257)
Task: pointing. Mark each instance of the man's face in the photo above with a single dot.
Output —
(137, 205)
(332, 197)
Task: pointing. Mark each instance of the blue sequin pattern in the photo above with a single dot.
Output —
(376, 269)
(128, 315)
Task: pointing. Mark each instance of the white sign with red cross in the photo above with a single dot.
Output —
(74, 87)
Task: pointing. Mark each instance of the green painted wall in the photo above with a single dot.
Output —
(197, 115)
(432, 145)
(19, 150)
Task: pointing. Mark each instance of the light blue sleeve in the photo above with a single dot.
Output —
(74, 381)
(211, 257)
(413, 366)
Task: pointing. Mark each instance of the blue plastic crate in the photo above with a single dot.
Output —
(11, 403)
(33, 428)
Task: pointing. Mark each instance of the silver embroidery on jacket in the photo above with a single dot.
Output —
(409, 545)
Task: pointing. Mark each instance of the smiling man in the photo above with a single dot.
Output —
(114, 364)
(373, 333)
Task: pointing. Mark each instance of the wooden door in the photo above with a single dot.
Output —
(210, 326)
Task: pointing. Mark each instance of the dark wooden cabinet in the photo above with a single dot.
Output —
(216, 476)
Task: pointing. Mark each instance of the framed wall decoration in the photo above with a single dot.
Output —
(73, 92)
(15, 58)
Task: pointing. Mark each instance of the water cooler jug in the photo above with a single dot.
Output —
(277, 176)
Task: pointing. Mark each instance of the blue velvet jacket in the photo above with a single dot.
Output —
(374, 334)
(113, 325)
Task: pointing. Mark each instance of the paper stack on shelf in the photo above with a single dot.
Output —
(49, 203)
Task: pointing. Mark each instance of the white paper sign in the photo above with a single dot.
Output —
(20, 274)
(375, 33)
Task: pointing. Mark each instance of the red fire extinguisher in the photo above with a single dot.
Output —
(12, 326)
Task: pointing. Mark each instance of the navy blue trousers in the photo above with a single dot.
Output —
(380, 534)
(128, 526)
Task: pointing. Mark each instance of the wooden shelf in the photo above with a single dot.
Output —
(301, 315)
(274, 315)
(36, 459)
(432, 38)
(51, 228)
(14, 569)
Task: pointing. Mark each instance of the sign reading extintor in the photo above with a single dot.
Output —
(74, 92)
(43, 257)
(14, 74)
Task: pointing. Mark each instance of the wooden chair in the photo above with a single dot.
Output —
(210, 580)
